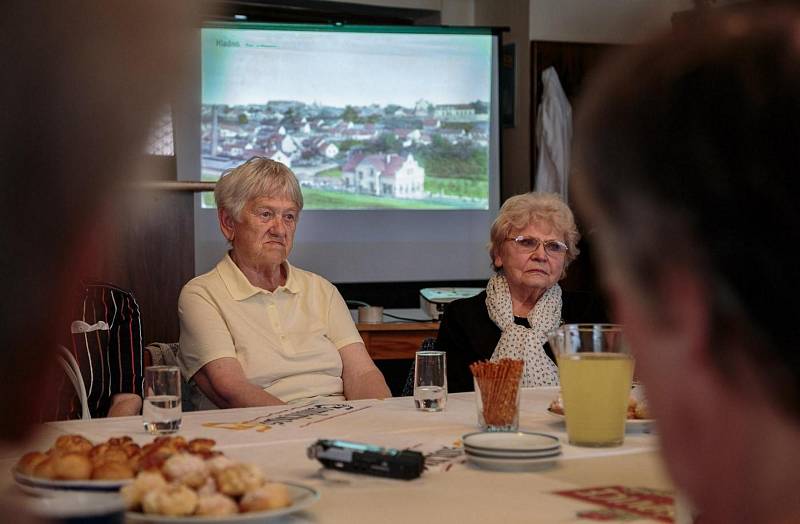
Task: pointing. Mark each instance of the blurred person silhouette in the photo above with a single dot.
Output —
(687, 166)
(83, 81)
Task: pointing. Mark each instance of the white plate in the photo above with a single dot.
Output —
(629, 423)
(302, 497)
(519, 442)
(76, 506)
(512, 456)
(36, 484)
(513, 464)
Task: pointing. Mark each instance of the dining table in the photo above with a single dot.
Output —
(623, 483)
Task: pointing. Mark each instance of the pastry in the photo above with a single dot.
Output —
(173, 500)
(120, 441)
(112, 471)
(44, 469)
(641, 411)
(108, 454)
(145, 481)
(131, 448)
(72, 466)
(237, 479)
(269, 496)
(29, 461)
(186, 469)
(72, 444)
(201, 445)
(218, 462)
(216, 504)
(208, 488)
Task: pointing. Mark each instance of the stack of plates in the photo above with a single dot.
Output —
(519, 450)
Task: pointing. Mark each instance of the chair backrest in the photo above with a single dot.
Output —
(163, 353)
(429, 344)
(73, 372)
(105, 343)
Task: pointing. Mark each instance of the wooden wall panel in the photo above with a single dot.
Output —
(147, 246)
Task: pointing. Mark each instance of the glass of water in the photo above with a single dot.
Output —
(161, 412)
(430, 380)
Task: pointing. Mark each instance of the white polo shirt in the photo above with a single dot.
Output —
(287, 341)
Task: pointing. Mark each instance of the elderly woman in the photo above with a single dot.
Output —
(533, 240)
(257, 331)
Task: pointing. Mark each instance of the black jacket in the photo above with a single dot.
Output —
(467, 333)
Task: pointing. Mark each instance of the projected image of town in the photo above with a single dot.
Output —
(365, 120)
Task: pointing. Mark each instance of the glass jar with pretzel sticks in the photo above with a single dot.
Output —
(497, 387)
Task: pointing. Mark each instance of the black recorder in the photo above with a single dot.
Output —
(371, 460)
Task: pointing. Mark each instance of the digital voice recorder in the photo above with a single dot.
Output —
(364, 458)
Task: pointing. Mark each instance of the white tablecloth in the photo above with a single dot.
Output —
(454, 491)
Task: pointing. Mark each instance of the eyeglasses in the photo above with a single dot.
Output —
(528, 245)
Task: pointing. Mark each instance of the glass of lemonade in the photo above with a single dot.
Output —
(595, 369)
(161, 411)
(430, 380)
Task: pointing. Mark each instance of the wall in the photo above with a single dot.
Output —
(600, 21)
(516, 158)
(454, 12)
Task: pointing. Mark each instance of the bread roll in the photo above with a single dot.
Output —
(27, 464)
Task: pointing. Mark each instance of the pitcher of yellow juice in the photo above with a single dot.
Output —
(595, 369)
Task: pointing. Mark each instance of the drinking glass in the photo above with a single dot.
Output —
(161, 412)
(595, 369)
(430, 380)
(498, 403)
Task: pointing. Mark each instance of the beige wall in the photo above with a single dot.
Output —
(516, 141)
(453, 12)
(600, 21)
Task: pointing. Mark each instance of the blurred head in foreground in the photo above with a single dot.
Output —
(82, 82)
(687, 165)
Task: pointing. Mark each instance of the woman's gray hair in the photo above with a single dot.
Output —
(255, 178)
(519, 211)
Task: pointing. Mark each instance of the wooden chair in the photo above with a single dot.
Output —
(73, 371)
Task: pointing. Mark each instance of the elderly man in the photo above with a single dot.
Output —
(256, 330)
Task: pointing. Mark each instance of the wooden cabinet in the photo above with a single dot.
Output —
(395, 340)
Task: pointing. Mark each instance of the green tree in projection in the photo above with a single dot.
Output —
(391, 109)
(385, 143)
(445, 160)
(243, 120)
(350, 114)
(289, 116)
(480, 107)
(347, 145)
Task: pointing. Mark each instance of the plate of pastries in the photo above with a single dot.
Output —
(74, 462)
(638, 413)
(169, 480)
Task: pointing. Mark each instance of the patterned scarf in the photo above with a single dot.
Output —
(523, 343)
